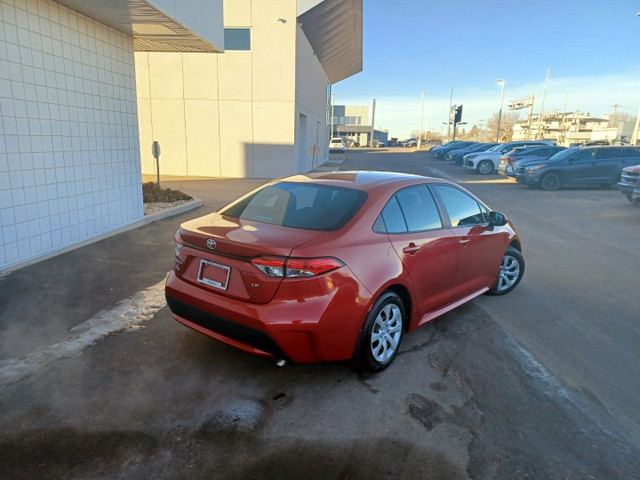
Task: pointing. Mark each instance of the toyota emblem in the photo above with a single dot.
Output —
(211, 244)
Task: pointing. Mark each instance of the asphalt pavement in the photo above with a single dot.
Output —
(98, 381)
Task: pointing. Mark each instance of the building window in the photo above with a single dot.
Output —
(237, 39)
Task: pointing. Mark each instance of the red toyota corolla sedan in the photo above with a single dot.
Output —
(336, 266)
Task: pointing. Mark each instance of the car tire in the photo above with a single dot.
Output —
(630, 197)
(381, 334)
(511, 272)
(485, 167)
(551, 182)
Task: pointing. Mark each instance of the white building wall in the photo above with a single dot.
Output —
(312, 103)
(69, 155)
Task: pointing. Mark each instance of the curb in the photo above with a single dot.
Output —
(170, 212)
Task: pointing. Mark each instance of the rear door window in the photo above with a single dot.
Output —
(410, 210)
(630, 153)
(608, 153)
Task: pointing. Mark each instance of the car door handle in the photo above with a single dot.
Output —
(464, 242)
(411, 249)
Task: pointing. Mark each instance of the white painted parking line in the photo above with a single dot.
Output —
(128, 314)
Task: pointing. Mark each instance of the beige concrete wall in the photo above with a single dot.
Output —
(235, 114)
(311, 101)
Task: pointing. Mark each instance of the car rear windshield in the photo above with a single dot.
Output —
(299, 205)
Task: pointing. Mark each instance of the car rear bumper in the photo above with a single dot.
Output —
(323, 328)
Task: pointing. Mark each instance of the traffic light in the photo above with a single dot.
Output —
(458, 116)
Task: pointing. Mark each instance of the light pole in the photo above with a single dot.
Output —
(501, 80)
(449, 123)
(421, 118)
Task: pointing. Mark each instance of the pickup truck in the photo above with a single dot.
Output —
(629, 181)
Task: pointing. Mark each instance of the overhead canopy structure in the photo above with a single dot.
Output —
(334, 29)
(157, 26)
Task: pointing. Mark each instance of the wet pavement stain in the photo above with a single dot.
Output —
(67, 453)
(425, 411)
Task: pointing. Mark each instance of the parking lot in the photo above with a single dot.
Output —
(541, 383)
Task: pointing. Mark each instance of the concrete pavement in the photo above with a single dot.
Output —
(56, 307)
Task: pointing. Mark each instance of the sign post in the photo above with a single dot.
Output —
(155, 151)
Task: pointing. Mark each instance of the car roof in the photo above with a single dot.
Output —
(360, 180)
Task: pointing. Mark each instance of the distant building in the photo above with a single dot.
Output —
(353, 123)
(571, 128)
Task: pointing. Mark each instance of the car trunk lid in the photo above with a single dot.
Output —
(217, 252)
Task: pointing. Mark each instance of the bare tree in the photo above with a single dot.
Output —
(506, 126)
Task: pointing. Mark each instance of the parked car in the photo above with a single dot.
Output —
(378, 144)
(338, 266)
(456, 156)
(435, 150)
(488, 161)
(337, 144)
(519, 157)
(582, 166)
(440, 152)
(635, 196)
(411, 142)
(629, 181)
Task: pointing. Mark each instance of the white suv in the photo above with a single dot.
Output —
(337, 143)
(488, 161)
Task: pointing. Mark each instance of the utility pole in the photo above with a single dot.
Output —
(421, 118)
(500, 111)
(615, 114)
(564, 117)
(634, 137)
(450, 114)
(544, 96)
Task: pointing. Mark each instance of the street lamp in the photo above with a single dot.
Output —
(501, 80)
(449, 127)
(421, 118)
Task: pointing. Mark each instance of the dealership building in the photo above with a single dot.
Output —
(86, 86)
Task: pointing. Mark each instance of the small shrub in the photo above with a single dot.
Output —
(152, 193)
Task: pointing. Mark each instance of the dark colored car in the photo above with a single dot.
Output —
(456, 155)
(440, 152)
(582, 166)
(338, 266)
(518, 158)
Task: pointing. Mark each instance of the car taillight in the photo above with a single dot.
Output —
(296, 267)
(179, 243)
(509, 160)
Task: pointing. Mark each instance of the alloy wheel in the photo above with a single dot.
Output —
(386, 333)
(509, 272)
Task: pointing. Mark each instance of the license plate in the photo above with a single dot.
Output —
(214, 274)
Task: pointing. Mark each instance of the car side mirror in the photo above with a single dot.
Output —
(497, 219)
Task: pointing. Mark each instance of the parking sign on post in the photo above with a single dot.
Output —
(155, 151)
